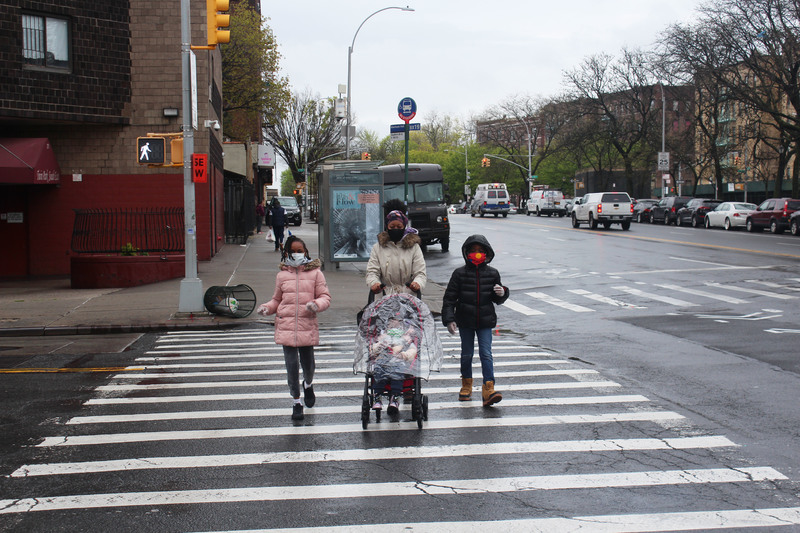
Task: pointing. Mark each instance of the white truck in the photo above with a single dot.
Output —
(546, 202)
(604, 208)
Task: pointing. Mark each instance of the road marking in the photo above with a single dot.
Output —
(779, 517)
(782, 330)
(604, 299)
(559, 303)
(752, 316)
(403, 488)
(518, 307)
(692, 270)
(345, 409)
(435, 376)
(601, 384)
(324, 429)
(66, 370)
(773, 285)
(657, 297)
(752, 291)
(373, 454)
(697, 292)
(277, 359)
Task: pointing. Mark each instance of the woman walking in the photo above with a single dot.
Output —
(396, 263)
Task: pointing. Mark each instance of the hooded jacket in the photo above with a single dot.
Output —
(396, 264)
(294, 288)
(469, 299)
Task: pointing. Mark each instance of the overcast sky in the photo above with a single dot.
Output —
(454, 57)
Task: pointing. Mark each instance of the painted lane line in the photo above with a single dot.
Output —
(697, 292)
(353, 393)
(271, 347)
(605, 299)
(552, 300)
(772, 285)
(346, 355)
(343, 409)
(373, 454)
(203, 434)
(433, 376)
(657, 297)
(727, 519)
(244, 364)
(518, 307)
(405, 488)
(767, 294)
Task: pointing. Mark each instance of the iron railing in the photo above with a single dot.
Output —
(128, 231)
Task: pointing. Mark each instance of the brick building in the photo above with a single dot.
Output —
(79, 82)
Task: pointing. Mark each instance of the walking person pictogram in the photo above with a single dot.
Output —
(144, 154)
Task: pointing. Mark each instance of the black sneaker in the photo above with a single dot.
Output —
(308, 396)
(393, 406)
(297, 412)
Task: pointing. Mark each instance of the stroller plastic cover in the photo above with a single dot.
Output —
(397, 337)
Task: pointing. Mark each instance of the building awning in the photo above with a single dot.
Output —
(28, 161)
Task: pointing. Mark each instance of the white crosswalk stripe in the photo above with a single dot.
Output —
(559, 428)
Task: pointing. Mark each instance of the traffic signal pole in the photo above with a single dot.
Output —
(191, 289)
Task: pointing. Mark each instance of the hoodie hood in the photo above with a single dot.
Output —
(477, 239)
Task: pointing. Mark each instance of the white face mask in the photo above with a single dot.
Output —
(296, 259)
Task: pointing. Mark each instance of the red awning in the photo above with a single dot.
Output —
(28, 161)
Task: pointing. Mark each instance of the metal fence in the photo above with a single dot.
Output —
(128, 231)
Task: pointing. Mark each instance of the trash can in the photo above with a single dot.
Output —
(236, 301)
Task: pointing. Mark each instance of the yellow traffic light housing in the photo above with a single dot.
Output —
(216, 20)
(366, 156)
(485, 162)
(176, 151)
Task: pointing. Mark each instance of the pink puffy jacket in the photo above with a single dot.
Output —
(295, 325)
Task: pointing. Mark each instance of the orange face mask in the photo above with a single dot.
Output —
(476, 258)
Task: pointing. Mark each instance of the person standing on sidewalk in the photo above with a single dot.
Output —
(300, 293)
(396, 263)
(468, 307)
(277, 219)
(260, 212)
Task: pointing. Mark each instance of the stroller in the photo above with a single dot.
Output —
(397, 340)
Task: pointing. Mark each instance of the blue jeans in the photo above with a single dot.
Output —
(484, 352)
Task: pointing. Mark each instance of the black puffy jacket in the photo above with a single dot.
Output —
(469, 299)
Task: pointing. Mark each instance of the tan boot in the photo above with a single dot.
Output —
(490, 395)
(465, 394)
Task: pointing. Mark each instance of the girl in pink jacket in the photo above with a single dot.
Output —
(300, 293)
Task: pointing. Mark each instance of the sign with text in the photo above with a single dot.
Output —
(407, 109)
(663, 160)
(200, 168)
(266, 156)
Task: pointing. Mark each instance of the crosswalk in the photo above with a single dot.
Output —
(195, 435)
(644, 295)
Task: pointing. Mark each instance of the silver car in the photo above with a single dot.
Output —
(729, 215)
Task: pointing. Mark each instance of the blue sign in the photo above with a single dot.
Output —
(407, 109)
(400, 128)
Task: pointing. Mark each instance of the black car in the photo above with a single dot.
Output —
(794, 223)
(666, 210)
(694, 212)
(641, 209)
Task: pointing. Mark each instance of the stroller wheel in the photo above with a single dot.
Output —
(366, 404)
(424, 407)
(419, 421)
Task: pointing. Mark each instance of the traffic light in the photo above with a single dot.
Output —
(216, 20)
(296, 192)
(485, 162)
(366, 156)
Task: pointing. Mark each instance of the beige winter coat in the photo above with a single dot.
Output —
(396, 264)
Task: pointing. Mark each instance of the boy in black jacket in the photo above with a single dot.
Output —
(468, 306)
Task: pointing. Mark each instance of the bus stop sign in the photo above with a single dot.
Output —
(407, 109)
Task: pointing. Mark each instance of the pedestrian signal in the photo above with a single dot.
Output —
(150, 150)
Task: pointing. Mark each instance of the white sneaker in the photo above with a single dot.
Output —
(377, 405)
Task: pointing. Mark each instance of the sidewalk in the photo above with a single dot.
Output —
(50, 307)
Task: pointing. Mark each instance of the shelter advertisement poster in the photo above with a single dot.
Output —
(355, 222)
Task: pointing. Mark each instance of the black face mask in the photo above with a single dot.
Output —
(396, 234)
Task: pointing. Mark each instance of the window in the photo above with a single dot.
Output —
(45, 41)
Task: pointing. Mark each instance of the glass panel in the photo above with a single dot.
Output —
(57, 43)
(428, 192)
(391, 192)
(492, 194)
(33, 39)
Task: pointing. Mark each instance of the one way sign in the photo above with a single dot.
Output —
(150, 150)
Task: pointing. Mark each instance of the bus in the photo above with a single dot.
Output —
(427, 208)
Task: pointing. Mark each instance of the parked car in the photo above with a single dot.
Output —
(604, 208)
(666, 210)
(773, 213)
(569, 203)
(452, 209)
(794, 223)
(641, 209)
(512, 209)
(694, 212)
(729, 215)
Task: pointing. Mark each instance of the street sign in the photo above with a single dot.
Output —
(397, 136)
(400, 128)
(407, 109)
(150, 150)
(663, 160)
(200, 168)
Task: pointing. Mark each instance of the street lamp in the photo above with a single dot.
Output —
(349, 70)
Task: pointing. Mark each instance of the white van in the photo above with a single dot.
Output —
(547, 202)
(491, 199)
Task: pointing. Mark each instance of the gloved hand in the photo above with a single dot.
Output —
(262, 310)
(311, 306)
(499, 290)
(452, 328)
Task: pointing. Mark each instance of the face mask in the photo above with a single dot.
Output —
(396, 234)
(476, 258)
(296, 259)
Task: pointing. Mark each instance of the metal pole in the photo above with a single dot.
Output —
(191, 289)
(663, 130)
(405, 129)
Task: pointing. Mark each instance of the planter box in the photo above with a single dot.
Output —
(109, 271)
